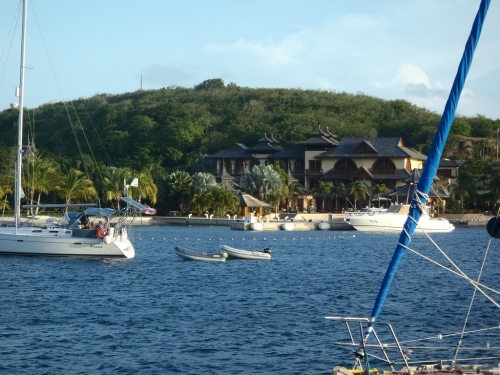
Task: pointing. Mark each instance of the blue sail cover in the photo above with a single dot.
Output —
(433, 159)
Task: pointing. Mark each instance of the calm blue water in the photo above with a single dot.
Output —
(158, 314)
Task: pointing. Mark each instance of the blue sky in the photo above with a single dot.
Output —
(390, 49)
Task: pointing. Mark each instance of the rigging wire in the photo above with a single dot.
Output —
(70, 105)
(459, 343)
(10, 36)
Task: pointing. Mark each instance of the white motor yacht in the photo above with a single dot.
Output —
(394, 219)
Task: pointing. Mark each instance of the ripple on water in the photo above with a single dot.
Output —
(158, 314)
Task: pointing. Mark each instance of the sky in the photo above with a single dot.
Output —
(390, 49)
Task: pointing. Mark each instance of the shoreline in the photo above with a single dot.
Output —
(301, 221)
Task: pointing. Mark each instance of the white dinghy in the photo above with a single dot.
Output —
(246, 254)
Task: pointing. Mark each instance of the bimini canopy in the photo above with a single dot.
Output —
(97, 211)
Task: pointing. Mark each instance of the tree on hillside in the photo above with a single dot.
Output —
(210, 84)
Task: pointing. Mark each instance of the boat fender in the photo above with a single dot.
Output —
(101, 233)
(493, 227)
(108, 239)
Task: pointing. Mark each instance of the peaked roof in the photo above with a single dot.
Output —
(265, 145)
(407, 191)
(246, 200)
(387, 147)
(235, 151)
(320, 138)
(415, 176)
(223, 176)
(293, 152)
(240, 178)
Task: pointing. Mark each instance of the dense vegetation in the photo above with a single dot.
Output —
(157, 132)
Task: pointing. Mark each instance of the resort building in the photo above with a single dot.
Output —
(322, 157)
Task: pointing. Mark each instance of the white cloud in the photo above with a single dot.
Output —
(412, 75)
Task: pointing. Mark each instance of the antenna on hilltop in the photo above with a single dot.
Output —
(141, 80)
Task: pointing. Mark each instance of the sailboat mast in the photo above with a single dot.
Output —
(18, 189)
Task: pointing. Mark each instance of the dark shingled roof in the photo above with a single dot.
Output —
(264, 148)
(451, 163)
(378, 147)
(294, 152)
(266, 145)
(240, 178)
(415, 176)
(223, 176)
(400, 174)
(236, 151)
(320, 138)
(407, 191)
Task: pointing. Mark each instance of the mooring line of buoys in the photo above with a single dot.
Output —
(257, 239)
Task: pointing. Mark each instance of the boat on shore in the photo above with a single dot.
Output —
(394, 219)
(188, 254)
(234, 253)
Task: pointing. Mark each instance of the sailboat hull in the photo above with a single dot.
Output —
(62, 243)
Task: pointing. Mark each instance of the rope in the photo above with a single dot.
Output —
(473, 297)
(460, 274)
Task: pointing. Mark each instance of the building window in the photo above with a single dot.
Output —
(345, 165)
(313, 182)
(314, 166)
(383, 166)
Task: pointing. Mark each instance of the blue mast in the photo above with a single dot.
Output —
(420, 196)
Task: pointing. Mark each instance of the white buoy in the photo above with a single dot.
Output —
(257, 226)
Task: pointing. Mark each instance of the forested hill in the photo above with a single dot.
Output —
(173, 127)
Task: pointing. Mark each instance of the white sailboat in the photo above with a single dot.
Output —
(69, 237)
(375, 343)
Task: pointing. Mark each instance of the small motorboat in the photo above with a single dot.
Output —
(234, 253)
(188, 254)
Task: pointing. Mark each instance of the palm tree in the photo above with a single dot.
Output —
(40, 177)
(324, 190)
(357, 190)
(295, 188)
(203, 181)
(338, 189)
(4, 190)
(377, 190)
(147, 187)
(180, 183)
(264, 181)
(75, 186)
(114, 184)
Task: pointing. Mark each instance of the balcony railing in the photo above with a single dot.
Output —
(314, 172)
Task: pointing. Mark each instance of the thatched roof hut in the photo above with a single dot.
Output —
(246, 201)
